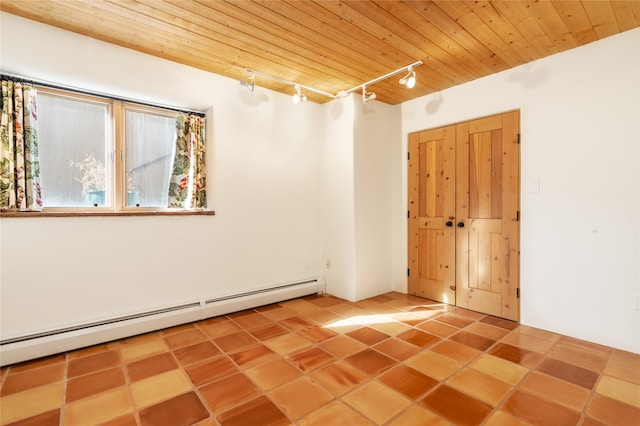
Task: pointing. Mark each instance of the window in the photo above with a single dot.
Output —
(100, 154)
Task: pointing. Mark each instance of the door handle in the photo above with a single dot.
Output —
(449, 224)
(460, 225)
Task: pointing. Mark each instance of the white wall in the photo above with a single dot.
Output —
(337, 199)
(357, 187)
(264, 184)
(373, 175)
(580, 235)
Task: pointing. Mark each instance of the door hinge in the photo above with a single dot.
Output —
(518, 142)
(408, 156)
(517, 219)
(518, 293)
(408, 272)
(408, 214)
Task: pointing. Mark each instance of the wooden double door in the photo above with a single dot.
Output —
(464, 214)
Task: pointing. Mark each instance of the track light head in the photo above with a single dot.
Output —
(249, 83)
(367, 96)
(409, 80)
(298, 96)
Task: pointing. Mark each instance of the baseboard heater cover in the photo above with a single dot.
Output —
(51, 342)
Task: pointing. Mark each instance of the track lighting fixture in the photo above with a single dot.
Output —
(409, 80)
(298, 96)
(249, 83)
(367, 96)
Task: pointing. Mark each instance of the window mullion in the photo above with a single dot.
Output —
(119, 180)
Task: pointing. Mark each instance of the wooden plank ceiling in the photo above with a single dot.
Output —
(338, 45)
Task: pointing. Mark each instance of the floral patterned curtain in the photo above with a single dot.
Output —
(187, 187)
(19, 164)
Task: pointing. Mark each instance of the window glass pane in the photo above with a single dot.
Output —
(150, 142)
(73, 151)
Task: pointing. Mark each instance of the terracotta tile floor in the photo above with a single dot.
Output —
(392, 359)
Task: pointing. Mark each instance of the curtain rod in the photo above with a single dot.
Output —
(93, 93)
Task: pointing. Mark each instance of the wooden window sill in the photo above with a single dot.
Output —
(103, 213)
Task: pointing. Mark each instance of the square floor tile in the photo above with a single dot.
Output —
(33, 378)
(456, 351)
(454, 320)
(392, 328)
(438, 328)
(624, 365)
(272, 374)
(499, 368)
(126, 420)
(50, 418)
(339, 378)
(142, 347)
(367, 335)
(310, 359)
(433, 364)
(182, 410)
(252, 356)
(613, 412)
(196, 353)
(151, 366)
(185, 338)
(536, 410)
(486, 330)
(397, 348)
(619, 389)
(480, 386)
(91, 384)
(556, 390)
(370, 362)
(211, 370)
(31, 402)
(259, 411)
(579, 355)
(251, 320)
(377, 402)
(521, 340)
(472, 340)
(342, 346)
(159, 387)
(98, 408)
(295, 323)
(42, 362)
(326, 301)
(268, 331)
(418, 338)
(569, 372)
(418, 415)
(235, 341)
(288, 343)
(92, 363)
(500, 322)
(221, 328)
(322, 317)
(278, 314)
(335, 413)
(515, 354)
(300, 397)
(229, 392)
(317, 334)
(455, 406)
(407, 381)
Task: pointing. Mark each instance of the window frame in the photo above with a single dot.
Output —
(115, 160)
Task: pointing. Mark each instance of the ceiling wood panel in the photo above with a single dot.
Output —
(337, 45)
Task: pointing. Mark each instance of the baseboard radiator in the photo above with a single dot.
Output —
(23, 348)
